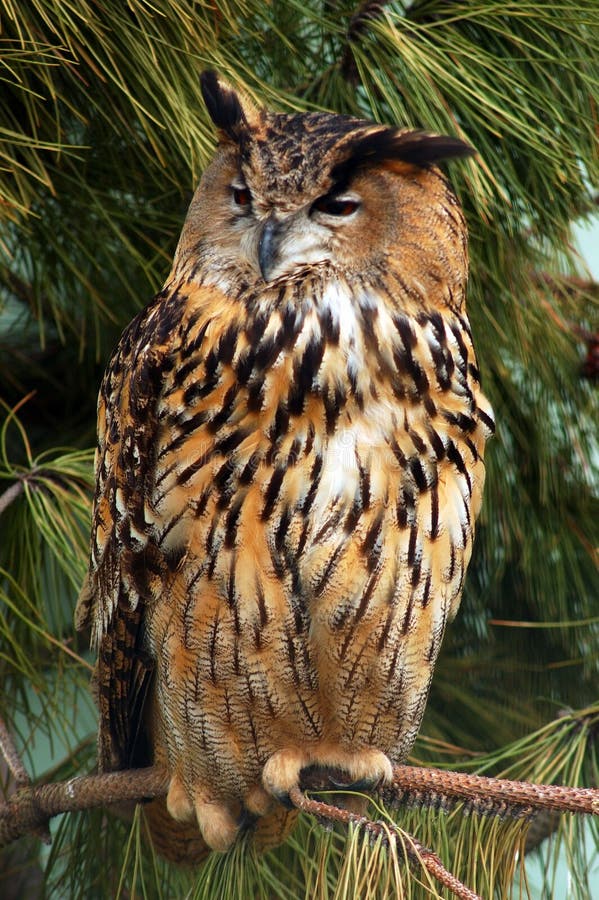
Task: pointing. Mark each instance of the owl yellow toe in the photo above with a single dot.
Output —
(177, 801)
(218, 824)
(282, 771)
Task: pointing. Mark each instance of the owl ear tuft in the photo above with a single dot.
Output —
(223, 105)
(418, 148)
(423, 149)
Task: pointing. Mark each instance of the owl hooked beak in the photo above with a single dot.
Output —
(268, 246)
(290, 243)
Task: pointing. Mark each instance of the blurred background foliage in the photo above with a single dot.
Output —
(103, 137)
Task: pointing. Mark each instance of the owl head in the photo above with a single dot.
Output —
(286, 193)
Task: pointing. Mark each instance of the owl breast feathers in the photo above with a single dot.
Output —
(289, 468)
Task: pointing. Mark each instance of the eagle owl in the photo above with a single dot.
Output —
(289, 468)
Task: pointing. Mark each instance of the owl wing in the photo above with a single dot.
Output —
(124, 561)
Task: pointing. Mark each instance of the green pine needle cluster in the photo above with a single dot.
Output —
(103, 137)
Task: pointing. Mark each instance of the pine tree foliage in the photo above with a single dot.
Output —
(103, 136)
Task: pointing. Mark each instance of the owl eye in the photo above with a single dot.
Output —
(242, 197)
(336, 206)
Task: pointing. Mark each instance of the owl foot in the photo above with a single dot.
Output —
(177, 801)
(363, 785)
(257, 801)
(218, 825)
(217, 821)
(366, 769)
(282, 772)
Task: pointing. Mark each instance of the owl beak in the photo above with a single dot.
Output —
(268, 246)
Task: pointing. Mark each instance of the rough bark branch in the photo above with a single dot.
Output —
(9, 750)
(494, 791)
(33, 805)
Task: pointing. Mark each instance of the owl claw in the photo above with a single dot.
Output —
(218, 824)
(366, 769)
(362, 785)
(218, 821)
(285, 800)
(282, 773)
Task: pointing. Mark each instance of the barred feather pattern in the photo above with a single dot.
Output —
(287, 486)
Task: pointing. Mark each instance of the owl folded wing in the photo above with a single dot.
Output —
(124, 560)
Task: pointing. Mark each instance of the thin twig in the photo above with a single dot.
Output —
(11, 755)
(432, 863)
(10, 495)
(20, 776)
(416, 851)
(367, 12)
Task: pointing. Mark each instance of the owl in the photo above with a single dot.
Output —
(289, 469)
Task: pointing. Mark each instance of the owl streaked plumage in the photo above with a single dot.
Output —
(289, 468)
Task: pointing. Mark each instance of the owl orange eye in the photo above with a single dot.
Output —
(242, 197)
(335, 206)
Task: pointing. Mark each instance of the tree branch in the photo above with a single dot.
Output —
(34, 805)
(497, 794)
(10, 495)
(367, 12)
(8, 748)
(31, 807)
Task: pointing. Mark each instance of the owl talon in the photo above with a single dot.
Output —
(362, 785)
(285, 800)
(282, 773)
(218, 824)
(178, 803)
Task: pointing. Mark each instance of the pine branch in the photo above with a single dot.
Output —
(32, 806)
(11, 755)
(367, 12)
(414, 850)
(20, 776)
(498, 795)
